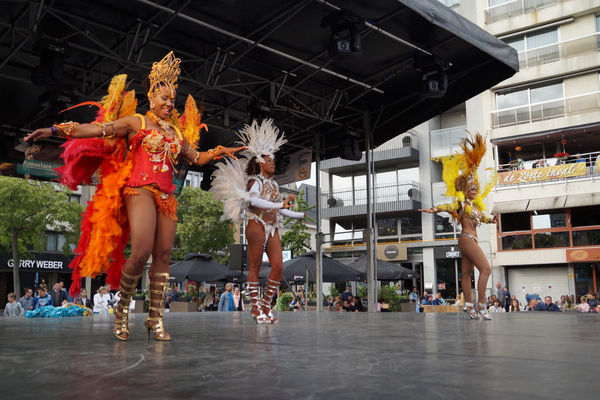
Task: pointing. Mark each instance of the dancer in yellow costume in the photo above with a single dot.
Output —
(135, 156)
(460, 176)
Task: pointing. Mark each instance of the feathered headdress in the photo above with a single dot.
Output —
(262, 140)
(164, 72)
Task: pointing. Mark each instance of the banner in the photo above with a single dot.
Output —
(542, 174)
(296, 167)
(584, 255)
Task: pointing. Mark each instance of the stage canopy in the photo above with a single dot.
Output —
(248, 58)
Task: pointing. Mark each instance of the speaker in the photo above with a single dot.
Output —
(237, 257)
(349, 149)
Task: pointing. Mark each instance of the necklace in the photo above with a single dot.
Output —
(163, 124)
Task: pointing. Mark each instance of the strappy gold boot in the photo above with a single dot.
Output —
(158, 288)
(268, 294)
(121, 329)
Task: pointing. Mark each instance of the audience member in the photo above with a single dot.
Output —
(113, 298)
(531, 305)
(238, 299)
(414, 296)
(501, 295)
(58, 295)
(496, 307)
(562, 303)
(583, 306)
(101, 300)
(380, 304)
(438, 300)
(226, 302)
(298, 302)
(346, 294)
(42, 299)
(506, 298)
(532, 296)
(547, 305)
(83, 299)
(209, 299)
(592, 300)
(426, 300)
(27, 300)
(514, 306)
(176, 293)
(358, 304)
(13, 308)
(459, 300)
(349, 307)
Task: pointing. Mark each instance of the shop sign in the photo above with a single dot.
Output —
(441, 286)
(392, 252)
(296, 167)
(38, 168)
(542, 174)
(584, 255)
(447, 252)
(39, 264)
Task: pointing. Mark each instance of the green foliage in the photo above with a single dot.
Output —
(200, 229)
(391, 296)
(334, 292)
(297, 238)
(284, 302)
(362, 291)
(28, 209)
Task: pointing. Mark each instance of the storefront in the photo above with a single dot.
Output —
(448, 271)
(48, 268)
(586, 269)
(544, 280)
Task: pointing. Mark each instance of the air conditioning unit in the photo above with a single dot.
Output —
(333, 202)
(412, 193)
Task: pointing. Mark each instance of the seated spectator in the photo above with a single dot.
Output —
(13, 308)
(459, 300)
(496, 307)
(101, 300)
(380, 304)
(438, 301)
(426, 300)
(83, 300)
(562, 303)
(358, 304)
(514, 306)
(531, 305)
(579, 158)
(547, 305)
(490, 301)
(532, 296)
(298, 302)
(43, 299)
(592, 300)
(596, 310)
(583, 306)
(167, 306)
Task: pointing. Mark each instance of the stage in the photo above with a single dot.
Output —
(534, 355)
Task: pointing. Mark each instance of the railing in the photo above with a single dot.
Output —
(546, 110)
(446, 139)
(591, 161)
(556, 51)
(450, 3)
(516, 7)
(408, 190)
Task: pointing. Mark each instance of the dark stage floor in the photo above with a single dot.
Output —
(306, 356)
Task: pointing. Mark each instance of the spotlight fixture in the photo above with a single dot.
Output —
(340, 21)
(259, 110)
(50, 73)
(518, 148)
(349, 148)
(435, 80)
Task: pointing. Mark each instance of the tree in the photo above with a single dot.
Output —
(27, 210)
(200, 229)
(297, 237)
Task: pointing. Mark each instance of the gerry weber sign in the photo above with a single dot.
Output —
(44, 262)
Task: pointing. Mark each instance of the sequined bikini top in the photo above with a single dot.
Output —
(268, 188)
(158, 145)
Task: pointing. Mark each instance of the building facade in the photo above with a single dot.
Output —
(543, 129)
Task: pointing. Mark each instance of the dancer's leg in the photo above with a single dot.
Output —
(473, 252)
(274, 251)
(255, 235)
(141, 212)
(159, 273)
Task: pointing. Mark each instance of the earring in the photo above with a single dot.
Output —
(151, 105)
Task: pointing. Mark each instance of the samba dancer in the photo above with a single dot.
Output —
(141, 182)
(460, 176)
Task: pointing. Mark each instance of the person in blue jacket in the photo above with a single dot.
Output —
(226, 301)
(43, 299)
(547, 305)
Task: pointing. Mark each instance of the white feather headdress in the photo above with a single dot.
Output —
(229, 186)
(262, 140)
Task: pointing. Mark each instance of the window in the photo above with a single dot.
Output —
(549, 219)
(387, 227)
(529, 105)
(411, 225)
(55, 241)
(515, 222)
(74, 197)
(585, 216)
(536, 47)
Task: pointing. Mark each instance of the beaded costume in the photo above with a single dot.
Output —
(147, 161)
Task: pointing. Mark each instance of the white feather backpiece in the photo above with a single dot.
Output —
(229, 186)
(262, 140)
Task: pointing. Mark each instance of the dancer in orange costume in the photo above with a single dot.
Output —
(135, 156)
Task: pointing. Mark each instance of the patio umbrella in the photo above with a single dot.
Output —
(199, 267)
(294, 270)
(386, 271)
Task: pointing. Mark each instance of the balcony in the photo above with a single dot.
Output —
(516, 7)
(558, 108)
(402, 151)
(388, 198)
(445, 141)
(557, 51)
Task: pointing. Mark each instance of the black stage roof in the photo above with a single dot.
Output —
(240, 54)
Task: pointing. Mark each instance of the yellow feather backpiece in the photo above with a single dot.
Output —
(190, 123)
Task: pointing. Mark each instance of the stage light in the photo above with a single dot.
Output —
(518, 148)
(434, 80)
(349, 148)
(50, 73)
(341, 21)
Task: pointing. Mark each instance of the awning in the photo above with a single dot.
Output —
(510, 207)
(582, 200)
(546, 203)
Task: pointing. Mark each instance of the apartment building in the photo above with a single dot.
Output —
(543, 127)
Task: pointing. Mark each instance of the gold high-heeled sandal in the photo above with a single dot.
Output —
(122, 309)
(155, 323)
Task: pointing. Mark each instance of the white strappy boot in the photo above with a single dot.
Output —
(267, 298)
(261, 318)
(471, 312)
